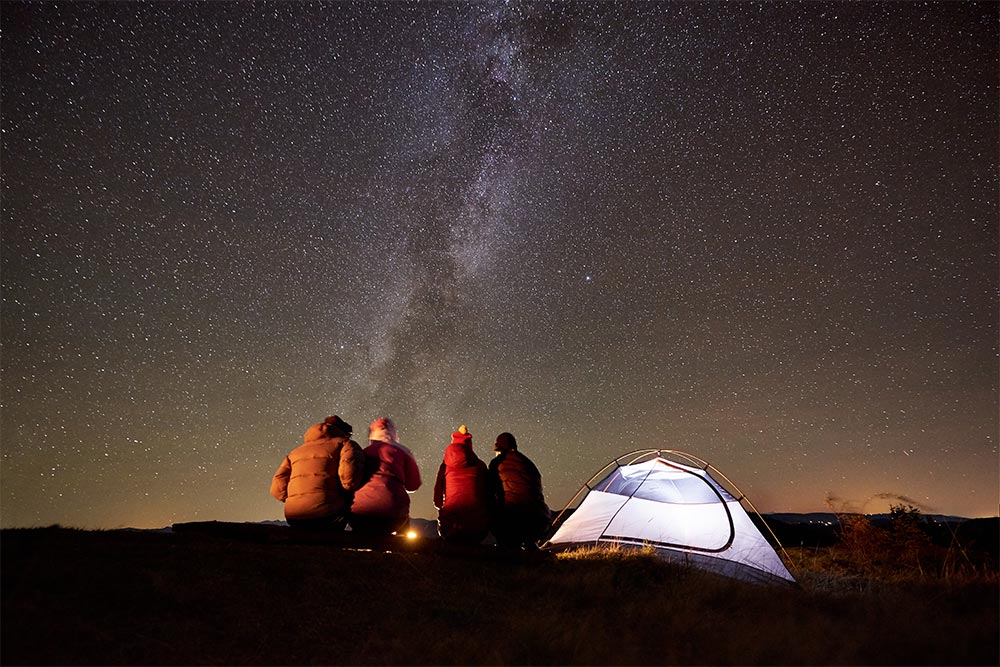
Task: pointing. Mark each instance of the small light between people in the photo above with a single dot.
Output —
(411, 535)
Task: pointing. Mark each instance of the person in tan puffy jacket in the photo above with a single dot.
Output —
(382, 505)
(316, 480)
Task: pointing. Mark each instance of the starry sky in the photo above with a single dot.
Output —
(762, 233)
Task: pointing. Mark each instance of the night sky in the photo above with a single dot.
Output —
(763, 234)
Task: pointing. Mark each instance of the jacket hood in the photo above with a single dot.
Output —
(315, 432)
(331, 427)
(383, 430)
(462, 436)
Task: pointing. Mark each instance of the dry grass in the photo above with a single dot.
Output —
(868, 557)
(75, 597)
(610, 553)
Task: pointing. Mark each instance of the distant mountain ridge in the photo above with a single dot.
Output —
(831, 517)
(428, 527)
(818, 529)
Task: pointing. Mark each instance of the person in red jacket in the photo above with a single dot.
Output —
(460, 492)
(519, 515)
(382, 505)
(316, 479)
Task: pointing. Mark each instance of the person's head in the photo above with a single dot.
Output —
(461, 436)
(331, 427)
(505, 442)
(337, 428)
(382, 429)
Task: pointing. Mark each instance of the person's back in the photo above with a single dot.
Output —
(316, 478)
(382, 504)
(460, 493)
(520, 515)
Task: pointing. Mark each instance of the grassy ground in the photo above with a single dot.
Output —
(76, 597)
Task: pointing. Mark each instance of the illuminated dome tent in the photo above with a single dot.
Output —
(672, 502)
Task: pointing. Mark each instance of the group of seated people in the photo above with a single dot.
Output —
(329, 482)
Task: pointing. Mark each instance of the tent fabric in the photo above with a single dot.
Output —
(673, 483)
(680, 511)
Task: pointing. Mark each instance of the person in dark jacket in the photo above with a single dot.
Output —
(460, 492)
(316, 480)
(519, 515)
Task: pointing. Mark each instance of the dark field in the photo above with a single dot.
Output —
(256, 595)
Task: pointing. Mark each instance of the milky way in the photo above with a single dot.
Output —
(764, 234)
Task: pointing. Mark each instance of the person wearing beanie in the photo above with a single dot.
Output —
(316, 479)
(460, 492)
(519, 515)
(382, 505)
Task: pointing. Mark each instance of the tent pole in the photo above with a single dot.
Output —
(742, 498)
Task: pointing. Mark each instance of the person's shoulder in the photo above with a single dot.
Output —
(531, 463)
(320, 448)
(404, 448)
(308, 446)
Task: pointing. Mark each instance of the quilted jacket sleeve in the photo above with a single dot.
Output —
(412, 482)
(352, 466)
(279, 483)
(494, 487)
(439, 487)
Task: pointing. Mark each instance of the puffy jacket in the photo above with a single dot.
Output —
(516, 483)
(519, 515)
(391, 472)
(316, 478)
(460, 492)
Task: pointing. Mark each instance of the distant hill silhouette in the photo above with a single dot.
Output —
(822, 529)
